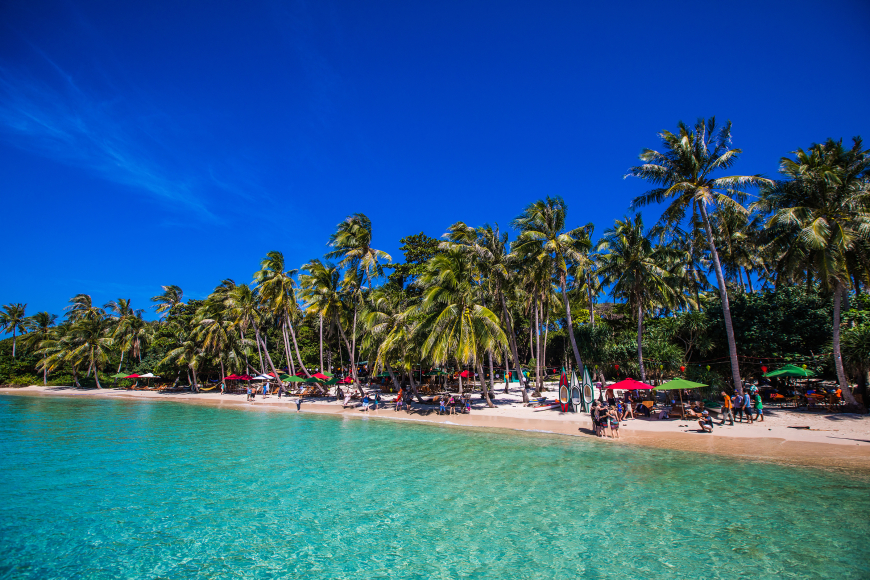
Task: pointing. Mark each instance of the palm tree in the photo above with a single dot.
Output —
(390, 332)
(81, 307)
(323, 293)
(91, 344)
(683, 172)
(457, 325)
(820, 212)
(277, 289)
(13, 319)
(544, 238)
(39, 326)
(352, 243)
(131, 331)
(172, 295)
(242, 308)
(188, 354)
(635, 269)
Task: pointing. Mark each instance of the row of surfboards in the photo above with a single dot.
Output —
(574, 395)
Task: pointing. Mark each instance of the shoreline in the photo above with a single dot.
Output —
(840, 442)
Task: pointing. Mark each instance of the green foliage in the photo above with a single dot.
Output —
(418, 250)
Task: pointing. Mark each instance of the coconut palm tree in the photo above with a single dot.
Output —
(13, 319)
(172, 295)
(819, 214)
(81, 307)
(188, 353)
(635, 269)
(131, 331)
(324, 294)
(39, 328)
(684, 172)
(352, 243)
(92, 344)
(457, 324)
(543, 237)
(277, 289)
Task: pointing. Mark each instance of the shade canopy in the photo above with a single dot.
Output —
(630, 385)
(321, 376)
(264, 378)
(292, 379)
(120, 376)
(133, 376)
(790, 371)
(235, 377)
(149, 376)
(330, 375)
(678, 384)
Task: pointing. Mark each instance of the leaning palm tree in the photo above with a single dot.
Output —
(635, 269)
(172, 295)
(40, 327)
(543, 237)
(821, 212)
(684, 173)
(188, 353)
(14, 320)
(277, 289)
(324, 294)
(131, 331)
(457, 325)
(91, 344)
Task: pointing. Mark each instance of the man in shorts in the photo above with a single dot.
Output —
(737, 403)
(747, 406)
(759, 407)
(726, 409)
(706, 422)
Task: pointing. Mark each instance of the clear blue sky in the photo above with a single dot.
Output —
(175, 142)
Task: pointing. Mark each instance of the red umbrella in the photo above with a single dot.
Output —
(133, 376)
(345, 381)
(630, 385)
(245, 378)
(320, 376)
(232, 377)
(464, 374)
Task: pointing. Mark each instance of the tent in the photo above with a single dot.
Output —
(630, 385)
(790, 371)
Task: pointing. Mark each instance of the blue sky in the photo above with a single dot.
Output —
(177, 142)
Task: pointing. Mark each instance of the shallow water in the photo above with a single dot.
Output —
(136, 489)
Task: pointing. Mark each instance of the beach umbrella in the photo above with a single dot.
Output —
(790, 371)
(120, 376)
(321, 376)
(244, 378)
(330, 375)
(679, 385)
(264, 378)
(292, 379)
(149, 376)
(232, 377)
(133, 376)
(630, 385)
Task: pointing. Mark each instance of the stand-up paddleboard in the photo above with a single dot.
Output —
(564, 394)
(576, 396)
(590, 392)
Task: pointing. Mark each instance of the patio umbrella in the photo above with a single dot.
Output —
(120, 376)
(630, 385)
(790, 371)
(133, 376)
(330, 375)
(149, 376)
(321, 376)
(264, 378)
(244, 378)
(232, 377)
(292, 379)
(679, 385)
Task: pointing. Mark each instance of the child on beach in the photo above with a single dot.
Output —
(441, 407)
(365, 402)
(614, 423)
(468, 405)
(249, 393)
(223, 387)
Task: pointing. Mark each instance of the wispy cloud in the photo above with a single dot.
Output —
(107, 136)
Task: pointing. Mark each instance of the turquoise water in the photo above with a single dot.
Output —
(133, 489)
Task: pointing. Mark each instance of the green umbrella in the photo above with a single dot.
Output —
(790, 371)
(120, 375)
(292, 379)
(679, 384)
(327, 374)
(382, 375)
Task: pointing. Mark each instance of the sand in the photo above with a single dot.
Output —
(833, 441)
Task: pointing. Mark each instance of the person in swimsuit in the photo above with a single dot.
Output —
(399, 399)
(614, 423)
(452, 403)
(468, 405)
(223, 387)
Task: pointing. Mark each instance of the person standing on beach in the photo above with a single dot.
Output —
(747, 406)
(726, 409)
(614, 423)
(441, 407)
(298, 404)
(737, 404)
(248, 392)
(223, 387)
(759, 408)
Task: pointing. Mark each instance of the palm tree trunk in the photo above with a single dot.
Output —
(483, 386)
(120, 364)
(491, 372)
(740, 277)
(414, 390)
(591, 304)
(13, 342)
(538, 382)
(392, 375)
(726, 307)
(296, 346)
(640, 343)
(320, 317)
(97, 375)
(749, 281)
(223, 372)
(44, 376)
(259, 350)
(352, 358)
(838, 357)
(507, 370)
(195, 383)
(288, 355)
(268, 359)
(459, 375)
(513, 342)
(570, 323)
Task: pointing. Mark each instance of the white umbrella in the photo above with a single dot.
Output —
(264, 378)
(149, 376)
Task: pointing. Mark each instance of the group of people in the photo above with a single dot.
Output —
(605, 415)
(462, 401)
(738, 406)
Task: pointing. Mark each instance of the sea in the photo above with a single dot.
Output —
(94, 488)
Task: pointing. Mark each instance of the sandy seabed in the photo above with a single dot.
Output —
(833, 441)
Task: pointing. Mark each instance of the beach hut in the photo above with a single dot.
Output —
(679, 385)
